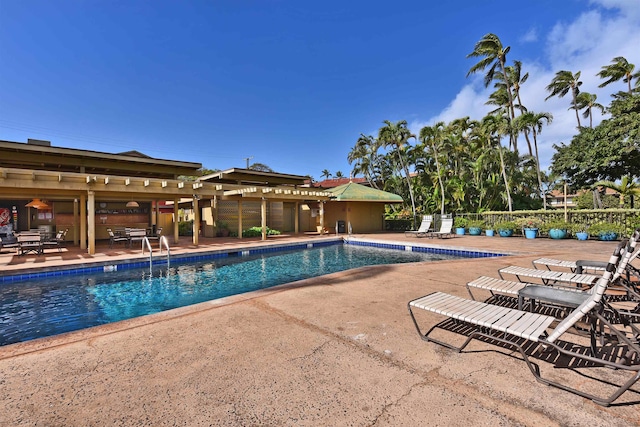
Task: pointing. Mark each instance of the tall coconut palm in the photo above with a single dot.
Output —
(619, 69)
(494, 127)
(587, 102)
(562, 83)
(364, 155)
(325, 173)
(397, 135)
(627, 187)
(432, 136)
(534, 122)
(494, 56)
(517, 80)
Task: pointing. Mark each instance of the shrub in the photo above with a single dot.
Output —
(476, 223)
(506, 225)
(185, 228)
(257, 232)
(529, 222)
(460, 222)
(556, 224)
(605, 227)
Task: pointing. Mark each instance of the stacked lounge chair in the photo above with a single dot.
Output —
(524, 330)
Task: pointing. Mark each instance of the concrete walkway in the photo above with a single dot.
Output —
(336, 350)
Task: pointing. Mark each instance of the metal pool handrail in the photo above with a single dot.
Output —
(146, 240)
(166, 244)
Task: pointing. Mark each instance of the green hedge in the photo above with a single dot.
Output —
(257, 232)
(627, 219)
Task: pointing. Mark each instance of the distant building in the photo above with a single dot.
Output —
(556, 198)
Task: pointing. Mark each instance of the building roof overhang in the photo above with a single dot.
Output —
(44, 157)
(352, 192)
(253, 177)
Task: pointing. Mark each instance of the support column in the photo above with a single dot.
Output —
(296, 218)
(176, 220)
(91, 222)
(214, 213)
(263, 218)
(196, 221)
(76, 223)
(239, 219)
(83, 221)
(321, 204)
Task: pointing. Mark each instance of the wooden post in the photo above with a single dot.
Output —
(263, 218)
(76, 223)
(91, 222)
(176, 221)
(83, 221)
(239, 219)
(196, 221)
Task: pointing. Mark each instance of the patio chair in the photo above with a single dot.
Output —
(116, 239)
(516, 289)
(136, 235)
(29, 242)
(571, 265)
(157, 235)
(577, 276)
(549, 276)
(424, 228)
(56, 242)
(9, 242)
(445, 228)
(531, 333)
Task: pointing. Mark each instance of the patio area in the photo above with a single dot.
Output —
(334, 350)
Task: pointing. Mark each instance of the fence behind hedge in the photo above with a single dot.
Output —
(629, 219)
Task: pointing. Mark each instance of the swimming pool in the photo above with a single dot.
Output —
(39, 308)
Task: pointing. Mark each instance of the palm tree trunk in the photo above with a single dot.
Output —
(408, 178)
(512, 111)
(544, 197)
(575, 107)
(504, 177)
(439, 180)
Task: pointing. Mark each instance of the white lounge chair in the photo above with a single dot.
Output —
(510, 327)
(424, 228)
(549, 276)
(446, 226)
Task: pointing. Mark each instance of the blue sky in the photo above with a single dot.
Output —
(290, 83)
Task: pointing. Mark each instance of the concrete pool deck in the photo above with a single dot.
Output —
(335, 350)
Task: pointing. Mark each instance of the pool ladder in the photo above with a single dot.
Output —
(147, 243)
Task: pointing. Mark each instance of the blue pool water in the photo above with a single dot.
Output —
(40, 308)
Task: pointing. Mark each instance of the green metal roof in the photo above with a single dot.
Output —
(353, 192)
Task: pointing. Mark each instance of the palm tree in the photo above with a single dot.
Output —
(587, 102)
(432, 136)
(325, 173)
(397, 135)
(619, 69)
(493, 127)
(627, 187)
(534, 121)
(517, 80)
(339, 174)
(364, 155)
(562, 83)
(495, 57)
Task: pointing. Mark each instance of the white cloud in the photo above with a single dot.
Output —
(586, 44)
(529, 36)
